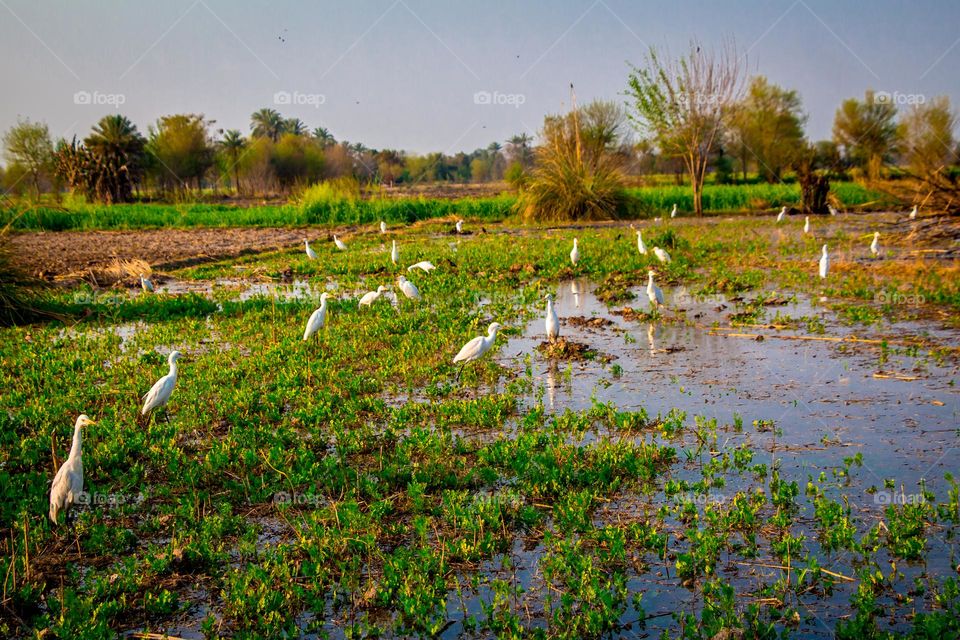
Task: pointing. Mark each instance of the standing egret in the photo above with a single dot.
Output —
(913, 214)
(832, 210)
(673, 214)
(824, 263)
(146, 283)
(317, 318)
(337, 241)
(552, 322)
(409, 289)
(875, 245)
(459, 226)
(423, 265)
(806, 224)
(654, 293)
(310, 252)
(68, 483)
(383, 227)
(394, 253)
(783, 212)
(662, 255)
(160, 392)
(575, 253)
(474, 349)
(371, 296)
(642, 248)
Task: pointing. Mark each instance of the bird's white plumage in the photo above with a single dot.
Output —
(875, 245)
(654, 293)
(68, 482)
(424, 265)
(478, 346)
(371, 296)
(783, 212)
(340, 245)
(824, 262)
(575, 252)
(642, 248)
(408, 288)
(673, 213)
(662, 255)
(459, 226)
(383, 227)
(913, 213)
(317, 318)
(394, 253)
(832, 210)
(146, 283)
(310, 252)
(552, 322)
(161, 390)
(806, 224)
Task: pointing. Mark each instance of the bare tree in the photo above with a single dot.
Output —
(683, 103)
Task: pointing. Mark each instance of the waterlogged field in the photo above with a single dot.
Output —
(771, 455)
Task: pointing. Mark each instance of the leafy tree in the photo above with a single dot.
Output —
(519, 149)
(927, 131)
(324, 137)
(232, 147)
(767, 126)
(108, 162)
(181, 146)
(684, 103)
(28, 145)
(267, 123)
(295, 126)
(867, 132)
(296, 160)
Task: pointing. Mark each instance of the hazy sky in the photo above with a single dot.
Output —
(405, 73)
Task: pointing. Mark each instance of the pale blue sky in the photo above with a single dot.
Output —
(403, 73)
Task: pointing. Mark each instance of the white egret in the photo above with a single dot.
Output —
(474, 349)
(824, 263)
(673, 214)
(806, 224)
(371, 296)
(662, 255)
(783, 212)
(160, 392)
(383, 227)
(310, 252)
(832, 210)
(913, 213)
(394, 253)
(423, 265)
(875, 245)
(642, 248)
(337, 241)
(317, 318)
(146, 283)
(654, 293)
(459, 226)
(552, 321)
(68, 483)
(575, 253)
(409, 289)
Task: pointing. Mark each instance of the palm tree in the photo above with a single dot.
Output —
(323, 135)
(294, 126)
(232, 145)
(519, 149)
(117, 150)
(267, 123)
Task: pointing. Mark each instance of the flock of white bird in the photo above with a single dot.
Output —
(68, 482)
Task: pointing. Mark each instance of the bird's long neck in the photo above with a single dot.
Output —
(75, 447)
(173, 368)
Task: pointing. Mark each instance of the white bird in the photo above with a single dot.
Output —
(371, 296)
(824, 263)
(317, 318)
(424, 265)
(662, 255)
(383, 227)
(654, 293)
(552, 322)
(459, 226)
(146, 283)
(875, 245)
(68, 483)
(673, 214)
(337, 241)
(310, 252)
(160, 392)
(474, 349)
(642, 248)
(409, 289)
(833, 211)
(394, 253)
(575, 253)
(913, 214)
(783, 212)
(806, 224)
